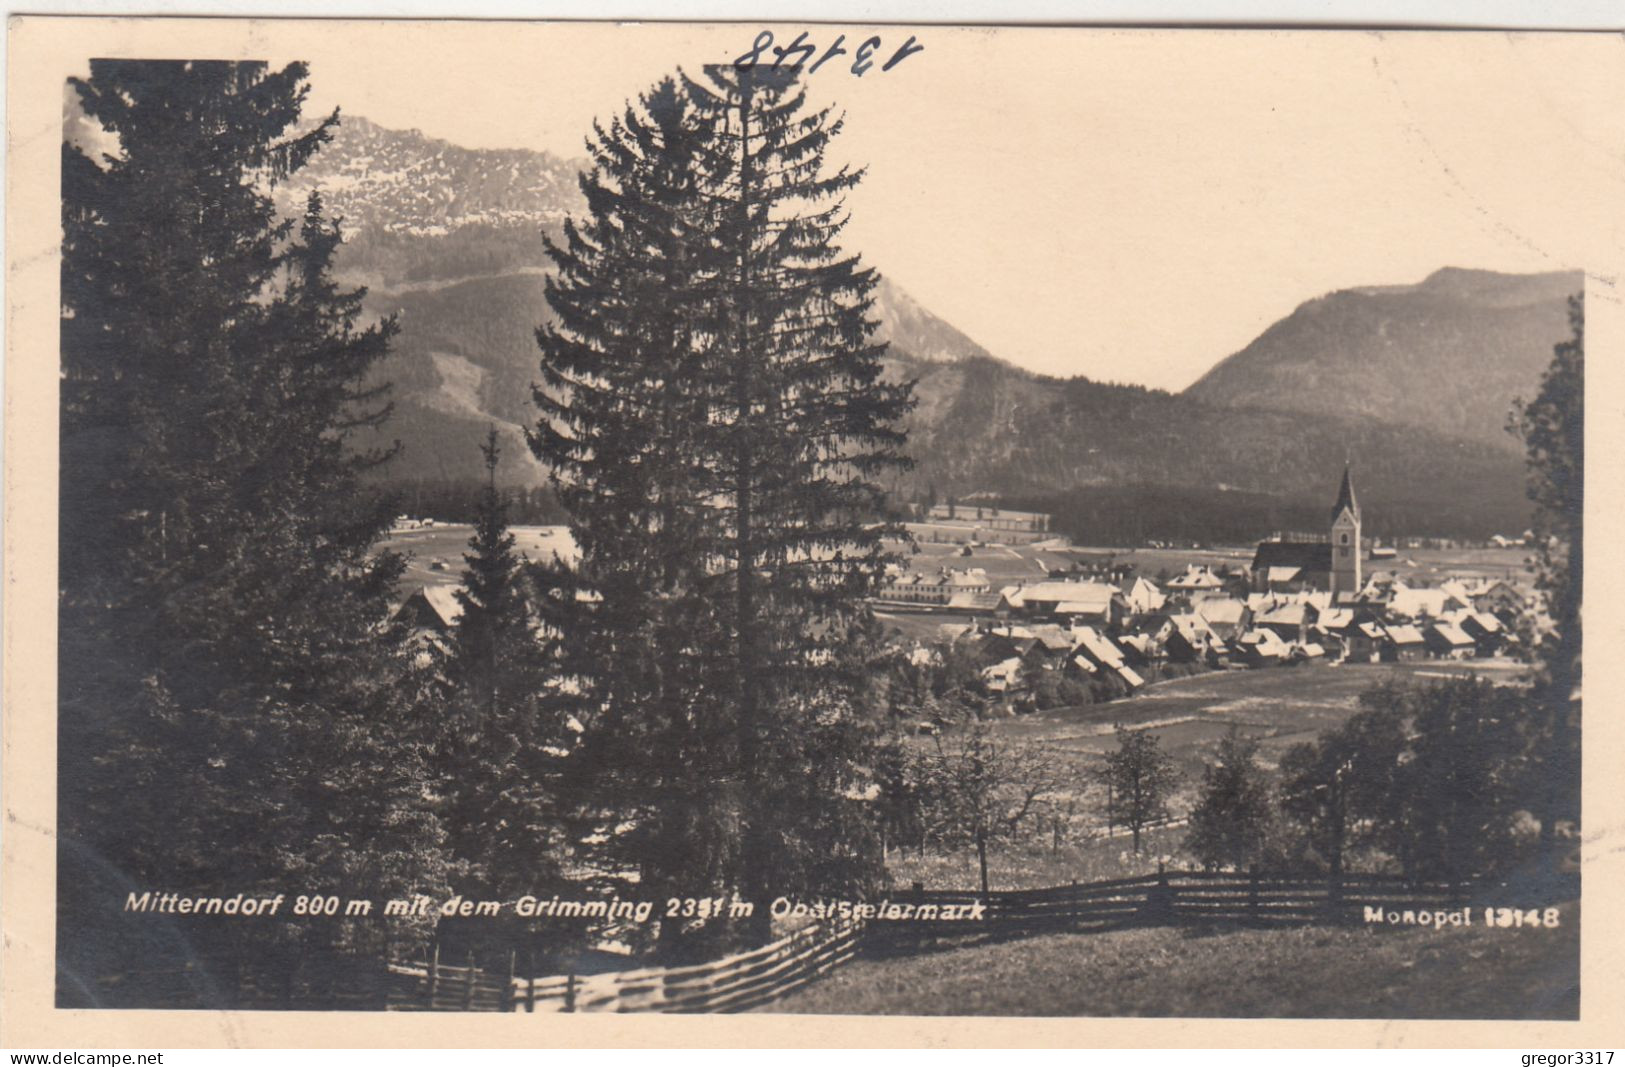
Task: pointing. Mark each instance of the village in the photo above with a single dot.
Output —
(1104, 624)
(1049, 624)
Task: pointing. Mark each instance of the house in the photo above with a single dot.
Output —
(1197, 580)
(1500, 598)
(1408, 603)
(1006, 642)
(1144, 597)
(1261, 648)
(431, 610)
(1225, 616)
(1096, 649)
(974, 603)
(937, 590)
(1053, 644)
(1486, 630)
(1139, 649)
(1187, 638)
(1308, 652)
(1446, 640)
(1290, 622)
(1337, 630)
(1403, 644)
(1003, 677)
(1091, 603)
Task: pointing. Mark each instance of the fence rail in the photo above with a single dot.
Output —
(759, 976)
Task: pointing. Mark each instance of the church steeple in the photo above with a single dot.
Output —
(1347, 547)
(1345, 497)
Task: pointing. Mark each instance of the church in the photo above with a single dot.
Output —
(1332, 563)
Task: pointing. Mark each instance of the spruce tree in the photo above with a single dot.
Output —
(809, 427)
(504, 740)
(233, 714)
(1552, 428)
(715, 413)
(624, 404)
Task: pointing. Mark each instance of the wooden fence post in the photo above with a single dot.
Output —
(570, 991)
(434, 974)
(1252, 892)
(510, 1000)
(1159, 901)
(468, 987)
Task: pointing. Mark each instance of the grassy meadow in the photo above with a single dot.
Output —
(1374, 972)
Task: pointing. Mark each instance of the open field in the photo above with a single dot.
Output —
(1012, 562)
(1004, 564)
(1281, 706)
(1380, 973)
(445, 543)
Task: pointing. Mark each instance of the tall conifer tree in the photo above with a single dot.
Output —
(811, 425)
(1552, 428)
(505, 740)
(715, 411)
(624, 401)
(230, 712)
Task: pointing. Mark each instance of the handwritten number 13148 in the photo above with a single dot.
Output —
(803, 50)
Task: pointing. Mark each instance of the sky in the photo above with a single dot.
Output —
(1129, 205)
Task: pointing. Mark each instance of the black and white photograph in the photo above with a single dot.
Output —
(814, 519)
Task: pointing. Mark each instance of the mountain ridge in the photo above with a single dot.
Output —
(463, 270)
(1449, 353)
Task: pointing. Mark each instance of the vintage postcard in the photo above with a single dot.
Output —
(885, 533)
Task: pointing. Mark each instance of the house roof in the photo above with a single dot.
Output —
(1336, 618)
(1451, 633)
(1192, 627)
(1405, 635)
(433, 606)
(1145, 589)
(1264, 642)
(967, 600)
(1098, 646)
(1414, 602)
(1287, 615)
(1053, 638)
(1221, 610)
(1196, 577)
(1311, 556)
(1070, 596)
(1148, 623)
(1140, 643)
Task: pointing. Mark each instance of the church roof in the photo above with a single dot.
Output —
(1345, 497)
(1304, 555)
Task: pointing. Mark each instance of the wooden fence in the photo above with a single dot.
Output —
(434, 986)
(1182, 897)
(735, 983)
(912, 920)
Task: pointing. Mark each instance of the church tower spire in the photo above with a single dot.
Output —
(1347, 547)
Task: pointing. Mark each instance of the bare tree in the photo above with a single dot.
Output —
(985, 788)
(1139, 778)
